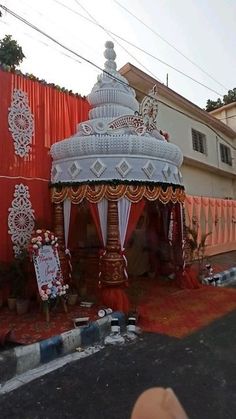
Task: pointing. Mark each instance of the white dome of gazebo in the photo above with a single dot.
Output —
(116, 143)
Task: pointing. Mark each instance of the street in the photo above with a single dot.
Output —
(200, 369)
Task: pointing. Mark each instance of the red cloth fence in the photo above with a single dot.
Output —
(215, 216)
(33, 116)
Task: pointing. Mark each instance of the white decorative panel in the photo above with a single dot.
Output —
(20, 218)
(176, 174)
(166, 171)
(56, 171)
(21, 123)
(74, 169)
(98, 167)
(123, 167)
(149, 169)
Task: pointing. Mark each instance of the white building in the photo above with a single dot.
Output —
(226, 114)
(208, 144)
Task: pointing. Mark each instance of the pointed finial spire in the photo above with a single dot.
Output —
(110, 55)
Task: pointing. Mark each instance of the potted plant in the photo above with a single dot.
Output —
(196, 247)
(3, 279)
(13, 278)
(19, 279)
(72, 296)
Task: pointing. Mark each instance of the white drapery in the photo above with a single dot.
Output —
(124, 206)
(102, 211)
(66, 213)
(171, 226)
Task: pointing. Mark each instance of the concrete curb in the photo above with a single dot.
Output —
(224, 279)
(23, 358)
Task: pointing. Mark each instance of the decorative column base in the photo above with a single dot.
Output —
(115, 298)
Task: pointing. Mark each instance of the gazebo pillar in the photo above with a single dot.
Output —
(58, 221)
(113, 265)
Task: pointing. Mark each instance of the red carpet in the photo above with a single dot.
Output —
(175, 312)
(162, 308)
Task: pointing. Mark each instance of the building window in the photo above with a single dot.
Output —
(225, 154)
(199, 141)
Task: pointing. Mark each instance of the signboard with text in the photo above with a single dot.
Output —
(47, 266)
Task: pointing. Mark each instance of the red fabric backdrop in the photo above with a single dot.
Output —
(56, 115)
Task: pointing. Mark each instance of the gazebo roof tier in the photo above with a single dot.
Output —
(116, 143)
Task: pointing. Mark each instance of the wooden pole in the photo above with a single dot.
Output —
(112, 264)
(59, 233)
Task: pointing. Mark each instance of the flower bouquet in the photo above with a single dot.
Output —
(55, 288)
(42, 238)
(43, 250)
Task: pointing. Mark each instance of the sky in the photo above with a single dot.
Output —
(204, 31)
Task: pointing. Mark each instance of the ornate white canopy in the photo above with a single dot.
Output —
(116, 143)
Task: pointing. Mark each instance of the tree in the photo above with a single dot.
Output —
(216, 104)
(213, 104)
(11, 53)
(230, 97)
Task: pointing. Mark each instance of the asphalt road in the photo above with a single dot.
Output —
(200, 368)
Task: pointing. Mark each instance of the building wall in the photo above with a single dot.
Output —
(204, 183)
(226, 115)
(214, 178)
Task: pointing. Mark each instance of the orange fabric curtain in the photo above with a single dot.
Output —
(189, 204)
(95, 215)
(135, 212)
(56, 115)
(198, 207)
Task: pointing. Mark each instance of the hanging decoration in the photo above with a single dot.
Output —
(67, 213)
(134, 193)
(20, 218)
(149, 109)
(21, 123)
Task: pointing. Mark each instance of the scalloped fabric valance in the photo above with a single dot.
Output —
(134, 193)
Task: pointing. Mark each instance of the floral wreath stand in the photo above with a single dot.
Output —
(44, 254)
(45, 307)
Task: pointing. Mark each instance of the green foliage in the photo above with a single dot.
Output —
(4, 274)
(216, 104)
(196, 246)
(11, 53)
(230, 97)
(15, 274)
(213, 104)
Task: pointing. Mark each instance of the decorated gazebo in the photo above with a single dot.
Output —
(120, 164)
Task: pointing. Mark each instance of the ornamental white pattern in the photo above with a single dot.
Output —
(21, 122)
(20, 218)
(149, 110)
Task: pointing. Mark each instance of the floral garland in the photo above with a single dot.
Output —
(133, 193)
(55, 289)
(31, 77)
(41, 238)
(165, 134)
